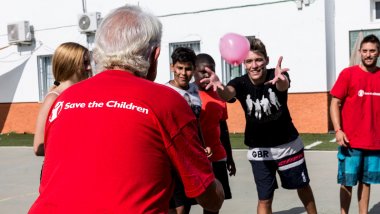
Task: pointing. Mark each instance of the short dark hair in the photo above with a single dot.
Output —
(204, 58)
(371, 39)
(183, 54)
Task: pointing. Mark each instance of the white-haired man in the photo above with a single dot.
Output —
(119, 137)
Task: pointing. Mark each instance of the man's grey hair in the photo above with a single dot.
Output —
(126, 38)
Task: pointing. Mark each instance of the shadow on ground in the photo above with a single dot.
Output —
(298, 210)
(375, 209)
(295, 210)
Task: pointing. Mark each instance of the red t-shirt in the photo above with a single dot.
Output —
(112, 144)
(213, 111)
(360, 94)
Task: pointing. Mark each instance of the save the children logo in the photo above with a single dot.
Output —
(362, 93)
(59, 106)
(54, 113)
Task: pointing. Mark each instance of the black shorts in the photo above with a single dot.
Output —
(179, 197)
(221, 173)
(288, 160)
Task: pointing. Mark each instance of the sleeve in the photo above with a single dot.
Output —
(340, 87)
(190, 161)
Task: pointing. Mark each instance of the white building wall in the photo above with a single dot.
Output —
(54, 22)
(314, 40)
(350, 15)
(297, 35)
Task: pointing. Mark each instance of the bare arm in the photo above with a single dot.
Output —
(224, 92)
(280, 80)
(227, 93)
(213, 198)
(38, 141)
(340, 136)
(225, 139)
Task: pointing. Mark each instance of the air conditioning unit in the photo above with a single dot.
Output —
(19, 32)
(88, 22)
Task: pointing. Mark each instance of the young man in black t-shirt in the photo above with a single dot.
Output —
(274, 144)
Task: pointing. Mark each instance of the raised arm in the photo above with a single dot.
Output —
(280, 80)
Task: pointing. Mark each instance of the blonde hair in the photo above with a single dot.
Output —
(68, 59)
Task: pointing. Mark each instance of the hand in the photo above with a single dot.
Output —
(341, 138)
(212, 81)
(279, 73)
(231, 167)
(208, 152)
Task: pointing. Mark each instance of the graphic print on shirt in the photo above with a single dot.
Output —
(267, 105)
(264, 102)
(273, 99)
(54, 113)
(257, 109)
(195, 107)
(249, 103)
(191, 96)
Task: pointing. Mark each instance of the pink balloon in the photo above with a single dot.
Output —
(234, 48)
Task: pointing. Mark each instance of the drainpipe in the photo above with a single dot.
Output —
(84, 6)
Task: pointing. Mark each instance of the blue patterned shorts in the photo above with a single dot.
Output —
(358, 165)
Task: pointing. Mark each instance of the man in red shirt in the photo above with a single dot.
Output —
(355, 114)
(113, 142)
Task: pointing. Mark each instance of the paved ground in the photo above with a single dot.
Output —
(20, 171)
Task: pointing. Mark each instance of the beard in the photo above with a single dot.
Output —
(371, 64)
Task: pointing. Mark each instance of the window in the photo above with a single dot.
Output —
(355, 39)
(229, 72)
(375, 10)
(195, 45)
(45, 75)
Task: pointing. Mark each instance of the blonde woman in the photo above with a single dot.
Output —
(71, 64)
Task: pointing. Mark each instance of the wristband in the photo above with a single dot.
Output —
(337, 130)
